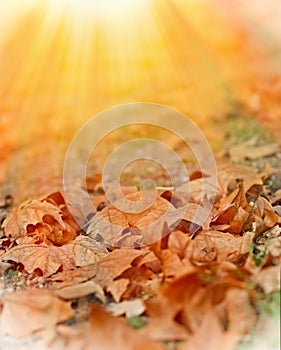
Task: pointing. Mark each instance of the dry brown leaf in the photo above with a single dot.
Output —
(45, 219)
(214, 245)
(196, 189)
(129, 308)
(30, 212)
(84, 250)
(28, 311)
(264, 215)
(247, 242)
(80, 290)
(80, 252)
(230, 173)
(233, 211)
(107, 330)
(198, 215)
(268, 279)
(114, 264)
(241, 316)
(178, 242)
(171, 263)
(201, 250)
(44, 257)
(75, 276)
(162, 325)
(117, 288)
(104, 333)
(211, 335)
(111, 225)
(171, 298)
(250, 150)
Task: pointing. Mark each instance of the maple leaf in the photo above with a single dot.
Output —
(28, 311)
(45, 218)
(44, 257)
(84, 250)
(230, 173)
(70, 277)
(115, 227)
(80, 252)
(214, 246)
(111, 266)
(30, 212)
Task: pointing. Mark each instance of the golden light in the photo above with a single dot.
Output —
(98, 8)
(64, 61)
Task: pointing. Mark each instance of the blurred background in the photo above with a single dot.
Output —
(63, 61)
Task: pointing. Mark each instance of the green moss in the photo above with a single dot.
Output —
(244, 127)
(136, 322)
(268, 304)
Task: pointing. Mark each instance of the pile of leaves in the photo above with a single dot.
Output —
(85, 289)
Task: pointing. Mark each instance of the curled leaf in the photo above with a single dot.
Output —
(45, 219)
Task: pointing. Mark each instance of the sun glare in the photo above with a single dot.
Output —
(98, 8)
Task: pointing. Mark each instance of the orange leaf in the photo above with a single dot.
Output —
(28, 311)
(114, 264)
(79, 275)
(265, 216)
(111, 224)
(233, 211)
(76, 291)
(80, 252)
(108, 332)
(211, 335)
(46, 219)
(44, 257)
(232, 172)
(162, 325)
(118, 287)
(241, 315)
